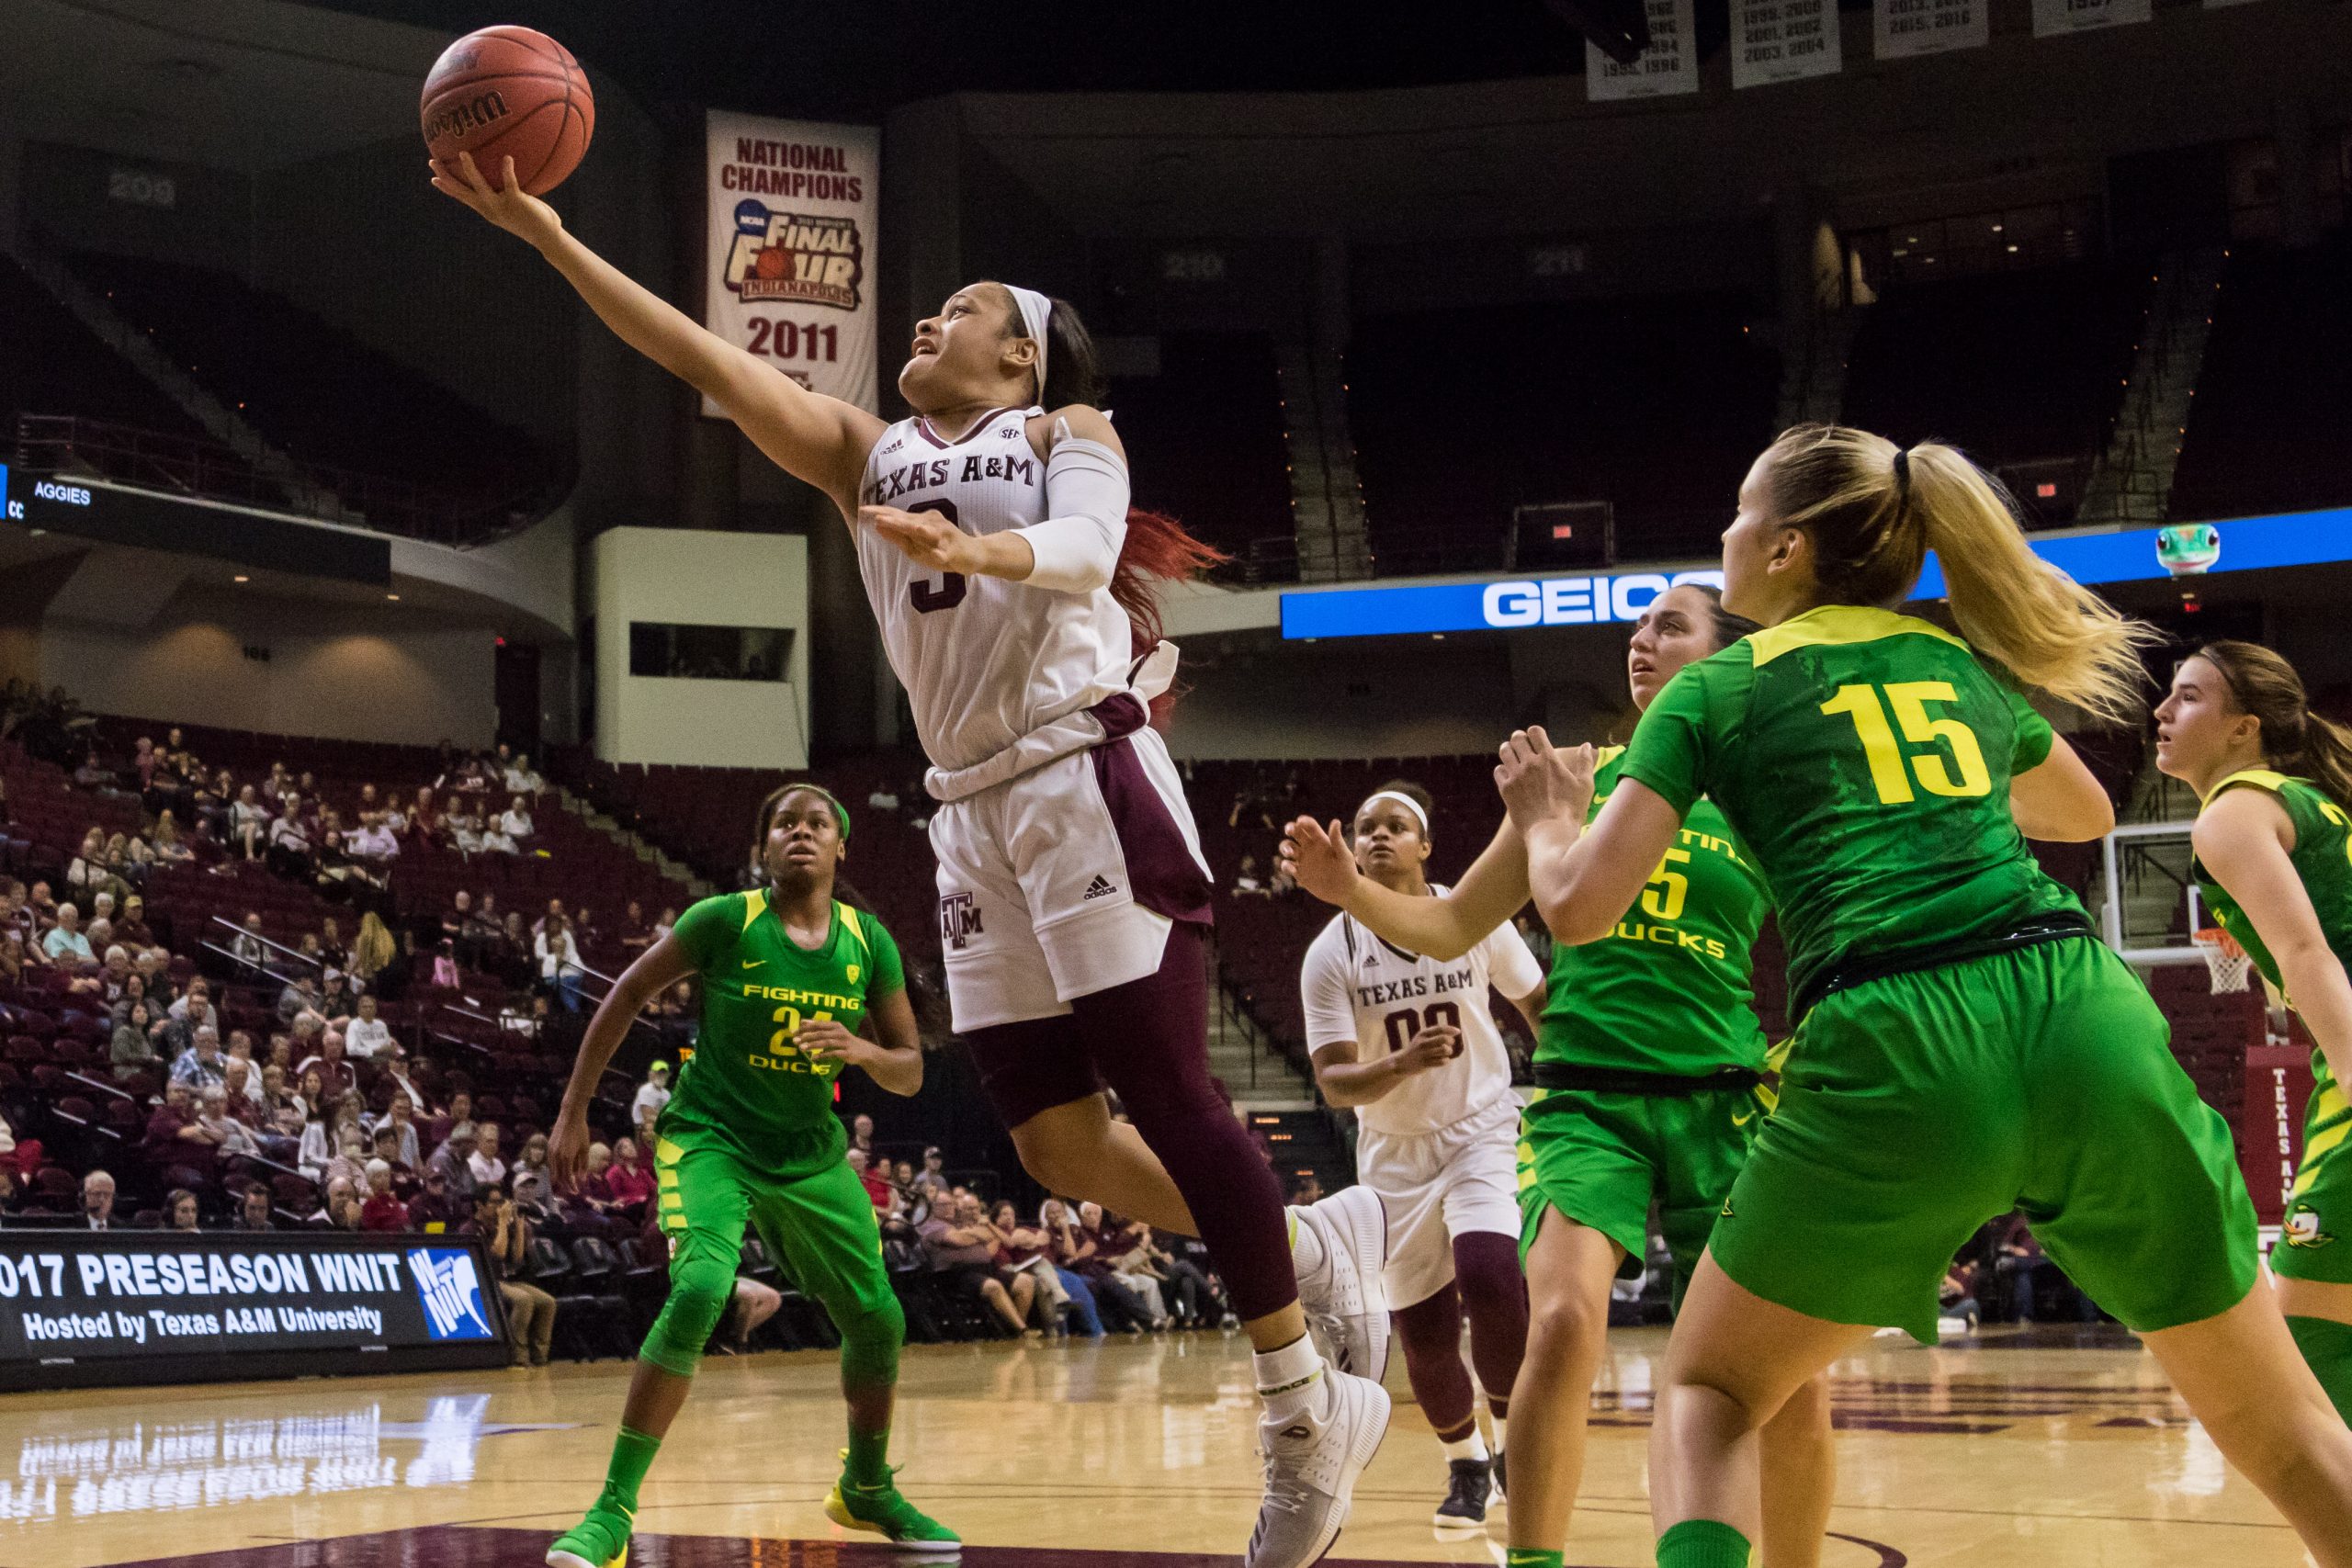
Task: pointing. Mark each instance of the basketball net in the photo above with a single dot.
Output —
(2224, 959)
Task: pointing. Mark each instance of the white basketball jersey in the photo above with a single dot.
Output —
(1357, 987)
(984, 660)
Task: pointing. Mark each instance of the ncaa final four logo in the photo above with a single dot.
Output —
(800, 257)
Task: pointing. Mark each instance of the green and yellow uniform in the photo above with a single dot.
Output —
(2317, 1242)
(750, 1133)
(1965, 1045)
(1647, 1060)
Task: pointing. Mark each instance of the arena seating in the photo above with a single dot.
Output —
(2011, 367)
(313, 389)
(2271, 428)
(54, 364)
(1656, 405)
(1205, 438)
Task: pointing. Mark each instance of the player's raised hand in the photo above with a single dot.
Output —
(1540, 782)
(1318, 859)
(926, 538)
(511, 207)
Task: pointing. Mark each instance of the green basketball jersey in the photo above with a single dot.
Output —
(2323, 858)
(1668, 990)
(747, 1085)
(1864, 757)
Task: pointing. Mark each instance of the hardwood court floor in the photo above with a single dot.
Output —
(2010, 1450)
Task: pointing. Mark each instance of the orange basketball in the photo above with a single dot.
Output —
(509, 93)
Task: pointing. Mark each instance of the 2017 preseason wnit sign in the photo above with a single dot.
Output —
(793, 207)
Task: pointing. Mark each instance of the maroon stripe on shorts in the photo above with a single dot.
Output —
(1162, 874)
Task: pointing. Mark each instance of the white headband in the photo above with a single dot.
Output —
(1406, 801)
(1035, 310)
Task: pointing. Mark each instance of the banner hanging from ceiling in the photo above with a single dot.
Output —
(1669, 66)
(1783, 41)
(793, 209)
(1905, 28)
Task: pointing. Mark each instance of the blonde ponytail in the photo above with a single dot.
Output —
(1874, 512)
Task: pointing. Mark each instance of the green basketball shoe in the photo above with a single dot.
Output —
(887, 1515)
(600, 1540)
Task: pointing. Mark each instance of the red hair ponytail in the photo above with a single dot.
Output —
(1156, 546)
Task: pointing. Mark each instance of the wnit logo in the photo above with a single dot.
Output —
(449, 1286)
(959, 920)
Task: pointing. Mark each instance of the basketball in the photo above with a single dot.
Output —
(509, 92)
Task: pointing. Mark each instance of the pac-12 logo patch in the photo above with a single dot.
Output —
(959, 920)
(2302, 1228)
(795, 257)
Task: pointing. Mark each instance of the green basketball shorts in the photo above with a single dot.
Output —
(1600, 1158)
(1917, 1106)
(2317, 1241)
(819, 1228)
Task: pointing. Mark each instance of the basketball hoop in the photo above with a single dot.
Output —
(2224, 959)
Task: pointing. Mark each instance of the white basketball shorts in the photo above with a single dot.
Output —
(1440, 1185)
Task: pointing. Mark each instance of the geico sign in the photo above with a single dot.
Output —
(1581, 601)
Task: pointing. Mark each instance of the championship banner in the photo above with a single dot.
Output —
(2054, 18)
(1783, 41)
(1905, 28)
(2270, 1125)
(125, 1306)
(1669, 66)
(794, 206)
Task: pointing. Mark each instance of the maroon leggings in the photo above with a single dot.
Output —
(1148, 1040)
(1487, 1283)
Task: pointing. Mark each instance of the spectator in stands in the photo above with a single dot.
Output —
(350, 1161)
(200, 1067)
(65, 943)
(530, 1311)
(209, 811)
(558, 956)
(1022, 1257)
(664, 921)
(498, 831)
(458, 926)
(179, 1209)
(250, 948)
(515, 952)
(436, 1209)
(932, 1178)
(861, 1135)
(963, 1256)
(167, 846)
(423, 818)
(877, 1187)
(652, 1095)
(383, 1211)
(460, 1108)
(629, 1182)
(15, 964)
(334, 1072)
(1247, 882)
(132, 1053)
(42, 906)
(289, 848)
(239, 1074)
(520, 780)
(87, 874)
(300, 995)
(97, 1202)
(454, 1159)
(249, 824)
(254, 1209)
(637, 932)
(176, 1139)
(191, 1013)
(331, 950)
(131, 928)
(399, 1121)
(366, 1035)
(395, 1064)
(463, 824)
(372, 841)
(484, 1162)
(532, 1160)
(372, 950)
(333, 1196)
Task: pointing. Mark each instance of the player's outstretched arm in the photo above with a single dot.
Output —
(649, 975)
(820, 440)
(2243, 837)
(1584, 880)
(2058, 801)
(1447, 927)
(895, 1061)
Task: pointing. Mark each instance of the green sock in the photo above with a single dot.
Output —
(868, 1455)
(1703, 1544)
(1534, 1557)
(2326, 1345)
(633, 1454)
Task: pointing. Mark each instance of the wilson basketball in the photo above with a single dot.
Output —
(509, 92)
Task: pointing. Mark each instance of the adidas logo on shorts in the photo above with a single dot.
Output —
(1099, 888)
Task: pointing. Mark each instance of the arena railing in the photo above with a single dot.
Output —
(185, 466)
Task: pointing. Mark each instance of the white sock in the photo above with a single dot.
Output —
(1289, 1379)
(1307, 1259)
(1498, 1432)
(1471, 1447)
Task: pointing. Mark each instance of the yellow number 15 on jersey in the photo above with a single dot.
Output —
(1909, 699)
